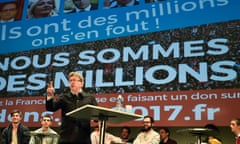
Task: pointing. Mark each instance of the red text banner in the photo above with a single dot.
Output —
(176, 108)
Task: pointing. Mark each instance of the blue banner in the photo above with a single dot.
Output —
(106, 23)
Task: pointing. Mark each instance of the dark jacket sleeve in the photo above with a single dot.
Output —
(24, 138)
(94, 102)
(54, 104)
(4, 136)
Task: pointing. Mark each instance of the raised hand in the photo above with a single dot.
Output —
(50, 89)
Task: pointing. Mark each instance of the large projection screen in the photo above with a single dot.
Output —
(178, 61)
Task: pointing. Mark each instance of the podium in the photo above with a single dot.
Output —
(103, 115)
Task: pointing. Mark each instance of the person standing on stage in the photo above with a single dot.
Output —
(148, 134)
(49, 135)
(72, 131)
(15, 132)
(235, 127)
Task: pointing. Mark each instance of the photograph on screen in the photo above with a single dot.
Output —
(42, 8)
(11, 10)
(75, 6)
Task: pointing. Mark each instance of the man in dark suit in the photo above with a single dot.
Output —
(72, 131)
(83, 5)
